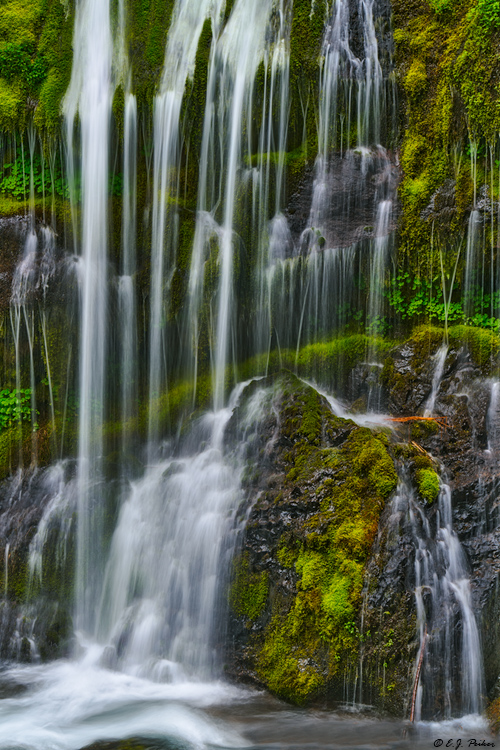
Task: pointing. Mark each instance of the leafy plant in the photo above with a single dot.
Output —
(416, 297)
(15, 406)
(15, 177)
(19, 61)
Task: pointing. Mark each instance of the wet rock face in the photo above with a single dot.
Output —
(347, 215)
(12, 233)
(468, 451)
(35, 620)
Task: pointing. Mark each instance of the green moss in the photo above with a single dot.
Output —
(285, 665)
(148, 24)
(416, 79)
(11, 102)
(449, 73)
(249, 591)
(482, 344)
(428, 484)
(35, 62)
(305, 645)
(305, 44)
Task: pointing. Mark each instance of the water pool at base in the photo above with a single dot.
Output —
(70, 705)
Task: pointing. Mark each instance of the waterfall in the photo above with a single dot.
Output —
(440, 359)
(238, 245)
(472, 262)
(452, 668)
(186, 27)
(307, 279)
(90, 94)
(166, 566)
(247, 40)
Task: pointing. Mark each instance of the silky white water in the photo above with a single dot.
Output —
(439, 359)
(69, 705)
(90, 94)
(185, 29)
(247, 40)
(443, 599)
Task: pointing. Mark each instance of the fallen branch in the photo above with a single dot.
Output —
(417, 676)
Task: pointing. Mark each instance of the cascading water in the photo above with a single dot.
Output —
(247, 40)
(452, 671)
(166, 570)
(350, 223)
(90, 94)
(186, 27)
(440, 359)
(126, 282)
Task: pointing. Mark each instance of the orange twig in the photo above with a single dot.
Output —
(417, 676)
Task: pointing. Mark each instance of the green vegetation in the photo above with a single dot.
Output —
(248, 594)
(447, 61)
(306, 35)
(15, 406)
(428, 484)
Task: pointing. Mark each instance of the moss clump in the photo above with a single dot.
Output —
(148, 24)
(428, 484)
(248, 594)
(35, 62)
(306, 35)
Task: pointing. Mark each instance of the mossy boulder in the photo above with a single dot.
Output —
(316, 485)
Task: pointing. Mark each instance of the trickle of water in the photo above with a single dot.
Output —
(183, 36)
(58, 514)
(493, 418)
(473, 261)
(126, 282)
(440, 359)
(378, 264)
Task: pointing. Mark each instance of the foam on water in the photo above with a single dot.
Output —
(72, 704)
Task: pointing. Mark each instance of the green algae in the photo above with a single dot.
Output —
(449, 75)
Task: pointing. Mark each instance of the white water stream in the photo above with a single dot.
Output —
(444, 608)
(90, 95)
(185, 29)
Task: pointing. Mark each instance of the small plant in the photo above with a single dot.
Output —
(14, 406)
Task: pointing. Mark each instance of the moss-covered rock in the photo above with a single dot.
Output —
(448, 70)
(321, 483)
